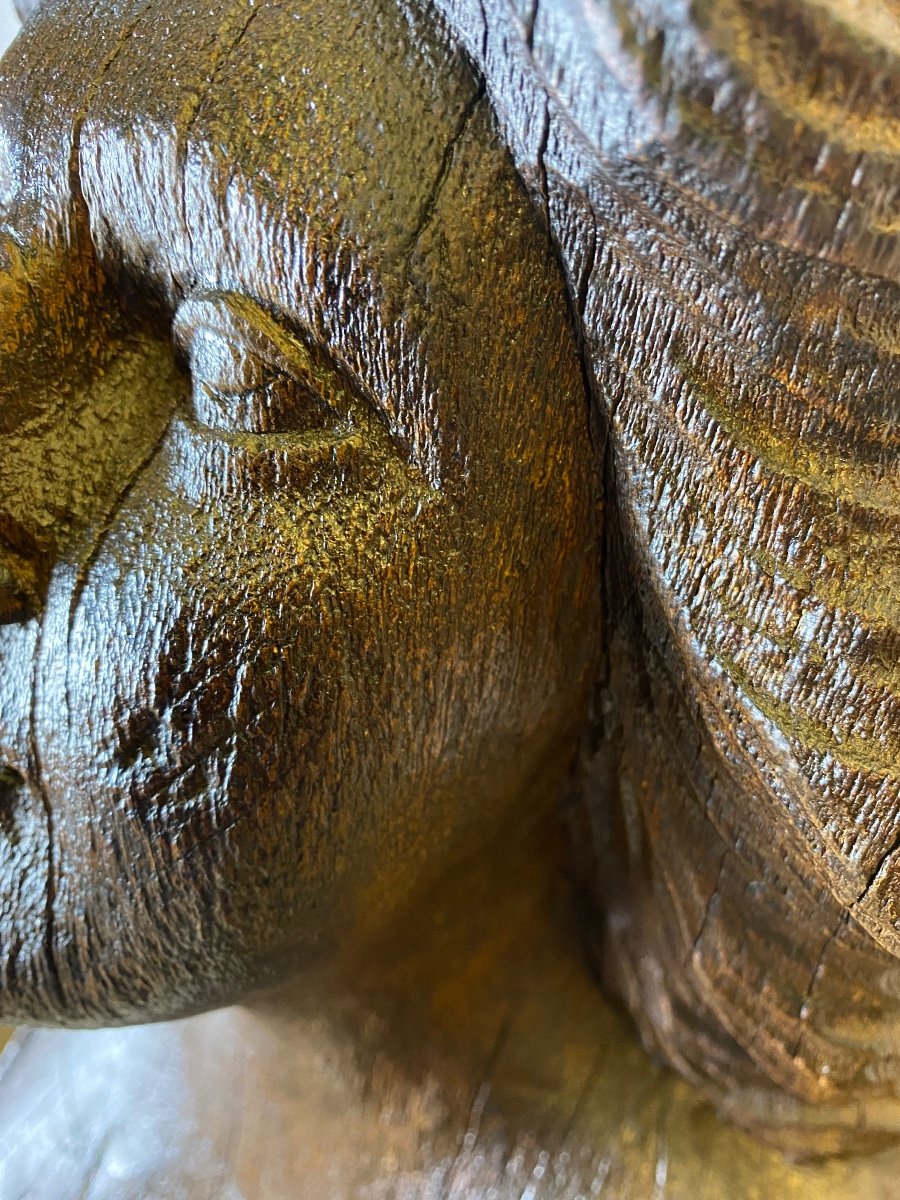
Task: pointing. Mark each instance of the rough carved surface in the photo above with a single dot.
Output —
(721, 180)
(484, 1065)
(313, 461)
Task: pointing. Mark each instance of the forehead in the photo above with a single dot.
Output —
(334, 120)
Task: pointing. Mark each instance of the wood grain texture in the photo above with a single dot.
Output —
(297, 529)
(721, 181)
(475, 1059)
(299, 551)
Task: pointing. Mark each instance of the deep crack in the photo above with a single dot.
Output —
(429, 204)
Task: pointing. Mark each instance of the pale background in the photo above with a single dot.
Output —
(9, 23)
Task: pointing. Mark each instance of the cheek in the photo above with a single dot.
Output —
(234, 660)
(266, 686)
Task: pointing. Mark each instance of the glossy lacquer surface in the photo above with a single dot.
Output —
(449, 539)
(721, 180)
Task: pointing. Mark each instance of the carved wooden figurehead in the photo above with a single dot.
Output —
(421, 424)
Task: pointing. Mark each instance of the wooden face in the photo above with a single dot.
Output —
(295, 502)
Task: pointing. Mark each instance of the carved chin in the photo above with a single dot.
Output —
(82, 948)
(28, 983)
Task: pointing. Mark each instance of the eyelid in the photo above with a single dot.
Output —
(259, 351)
(219, 311)
(247, 369)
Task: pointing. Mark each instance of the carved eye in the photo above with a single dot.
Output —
(250, 376)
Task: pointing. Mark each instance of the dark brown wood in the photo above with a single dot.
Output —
(721, 181)
(306, 524)
(474, 1058)
(380, 425)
